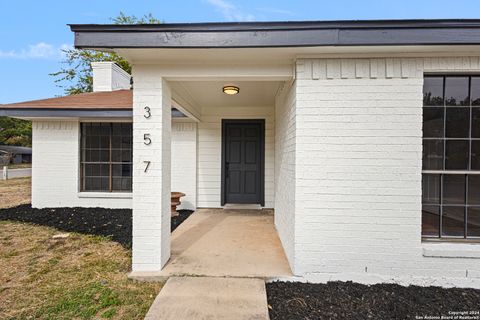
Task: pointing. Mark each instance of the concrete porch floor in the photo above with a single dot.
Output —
(225, 243)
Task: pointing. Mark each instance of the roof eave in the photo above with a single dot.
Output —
(65, 113)
(280, 34)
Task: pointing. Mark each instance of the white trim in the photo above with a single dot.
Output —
(451, 250)
(117, 195)
(179, 107)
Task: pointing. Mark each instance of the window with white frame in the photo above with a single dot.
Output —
(451, 157)
(106, 157)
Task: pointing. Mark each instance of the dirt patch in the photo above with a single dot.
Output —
(113, 223)
(68, 277)
(14, 192)
(348, 300)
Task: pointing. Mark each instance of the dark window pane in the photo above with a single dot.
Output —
(116, 141)
(475, 155)
(116, 129)
(105, 129)
(91, 184)
(93, 129)
(97, 170)
(475, 122)
(433, 91)
(433, 122)
(93, 155)
(453, 221)
(456, 91)
(473, 222)
(475, 93)
(431, 188)
(105, 183)
(453, 189)
(126, 155)
(104, 155)
(432, 154)
(474, 189)
(127, 142)
(430, 220)
(457, 123)
(116, 155)
(96, 184)
(122, 170)
(104, 142)
(90, 142)
(456, 154)
(122, 184)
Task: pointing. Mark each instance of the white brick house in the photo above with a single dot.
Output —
(327, 127)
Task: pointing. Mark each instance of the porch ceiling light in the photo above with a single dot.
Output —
(231, 90)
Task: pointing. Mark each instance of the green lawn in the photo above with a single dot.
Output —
(77, 277)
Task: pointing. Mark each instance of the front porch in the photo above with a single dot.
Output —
(225, 243)
(241, 145)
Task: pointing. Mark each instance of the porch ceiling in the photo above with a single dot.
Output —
(209, 93)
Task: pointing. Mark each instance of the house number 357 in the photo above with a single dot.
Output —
(146, 137)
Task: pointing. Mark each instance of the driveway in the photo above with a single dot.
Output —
(18, 173)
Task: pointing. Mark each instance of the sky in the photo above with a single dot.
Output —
(33, 32)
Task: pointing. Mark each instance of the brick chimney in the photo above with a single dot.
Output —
(108, 76)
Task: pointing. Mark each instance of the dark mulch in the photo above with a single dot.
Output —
(348, 300)
(113, 223)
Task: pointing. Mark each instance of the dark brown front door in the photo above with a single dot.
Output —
(243, 161)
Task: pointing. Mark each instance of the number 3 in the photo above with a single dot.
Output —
(148, 113)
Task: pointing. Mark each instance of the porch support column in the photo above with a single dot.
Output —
(151, 186)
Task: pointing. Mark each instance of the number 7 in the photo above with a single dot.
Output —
(147, 166)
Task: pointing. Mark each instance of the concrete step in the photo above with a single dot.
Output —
(202, 298)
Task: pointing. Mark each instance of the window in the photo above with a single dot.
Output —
(106, 157)
(451, 157)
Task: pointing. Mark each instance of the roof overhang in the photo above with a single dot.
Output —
(64, 113)
(279, 34)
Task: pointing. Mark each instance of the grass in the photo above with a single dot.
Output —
(76, 277)
(14, 192)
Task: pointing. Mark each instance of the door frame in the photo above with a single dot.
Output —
(261, 175)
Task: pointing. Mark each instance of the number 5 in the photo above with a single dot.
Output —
(146, 139)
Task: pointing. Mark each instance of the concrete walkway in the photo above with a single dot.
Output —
(223, 258)
(203, 298)
(227, 243)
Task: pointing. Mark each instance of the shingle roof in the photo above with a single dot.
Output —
(108, 100)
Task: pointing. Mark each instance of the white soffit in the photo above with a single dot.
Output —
(252, 93)
(248, 56)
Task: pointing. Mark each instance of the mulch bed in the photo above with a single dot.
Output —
(113, 223)
(348, 300)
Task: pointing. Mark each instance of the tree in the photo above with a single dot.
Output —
(76, 76)
(15, 132)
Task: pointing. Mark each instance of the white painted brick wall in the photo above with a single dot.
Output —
(184, 161)
(285, 170)
(209, 151)
(151, 190)
(358, 175)
(56, 168)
